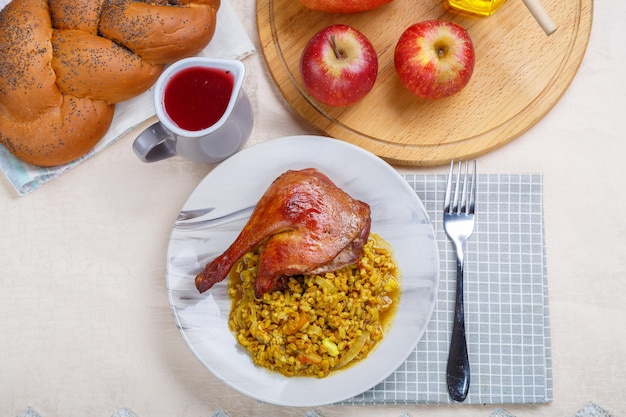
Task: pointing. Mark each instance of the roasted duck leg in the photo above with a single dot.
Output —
(303, 224)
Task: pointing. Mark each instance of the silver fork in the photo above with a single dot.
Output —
(458, 222)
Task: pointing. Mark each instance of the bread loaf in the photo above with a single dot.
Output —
(65, 63)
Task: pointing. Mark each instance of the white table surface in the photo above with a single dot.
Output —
(85, 325)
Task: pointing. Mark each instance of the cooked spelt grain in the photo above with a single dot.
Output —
(321, 323)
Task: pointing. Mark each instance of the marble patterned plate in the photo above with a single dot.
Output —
(235, 186)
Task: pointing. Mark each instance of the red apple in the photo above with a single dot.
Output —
(434, 58)
(343, 6)
(338, 65)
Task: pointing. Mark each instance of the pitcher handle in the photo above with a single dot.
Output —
(154, 144)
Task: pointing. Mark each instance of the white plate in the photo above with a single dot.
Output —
(237, 183)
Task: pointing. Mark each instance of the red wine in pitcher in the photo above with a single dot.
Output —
(197, 97)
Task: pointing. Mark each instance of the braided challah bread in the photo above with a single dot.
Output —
(65, 63)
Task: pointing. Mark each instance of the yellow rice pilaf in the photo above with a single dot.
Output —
(321, 323)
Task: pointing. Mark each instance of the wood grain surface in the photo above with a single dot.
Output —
(520, 74)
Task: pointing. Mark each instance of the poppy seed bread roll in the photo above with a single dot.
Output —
(65, 63)
(153, 31)
(107, 71)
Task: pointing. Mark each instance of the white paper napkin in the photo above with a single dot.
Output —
(229, 42)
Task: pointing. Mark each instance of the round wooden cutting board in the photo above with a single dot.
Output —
(519, 75)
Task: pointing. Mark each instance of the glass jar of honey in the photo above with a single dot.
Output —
(477, 7)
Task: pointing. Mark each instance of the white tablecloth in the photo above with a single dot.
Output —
(86, 328)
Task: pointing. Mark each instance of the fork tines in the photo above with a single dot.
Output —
(451, 204)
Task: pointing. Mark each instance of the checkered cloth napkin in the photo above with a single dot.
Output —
(506, 301)
(230, 41)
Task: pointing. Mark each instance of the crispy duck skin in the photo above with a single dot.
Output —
(303, 224)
